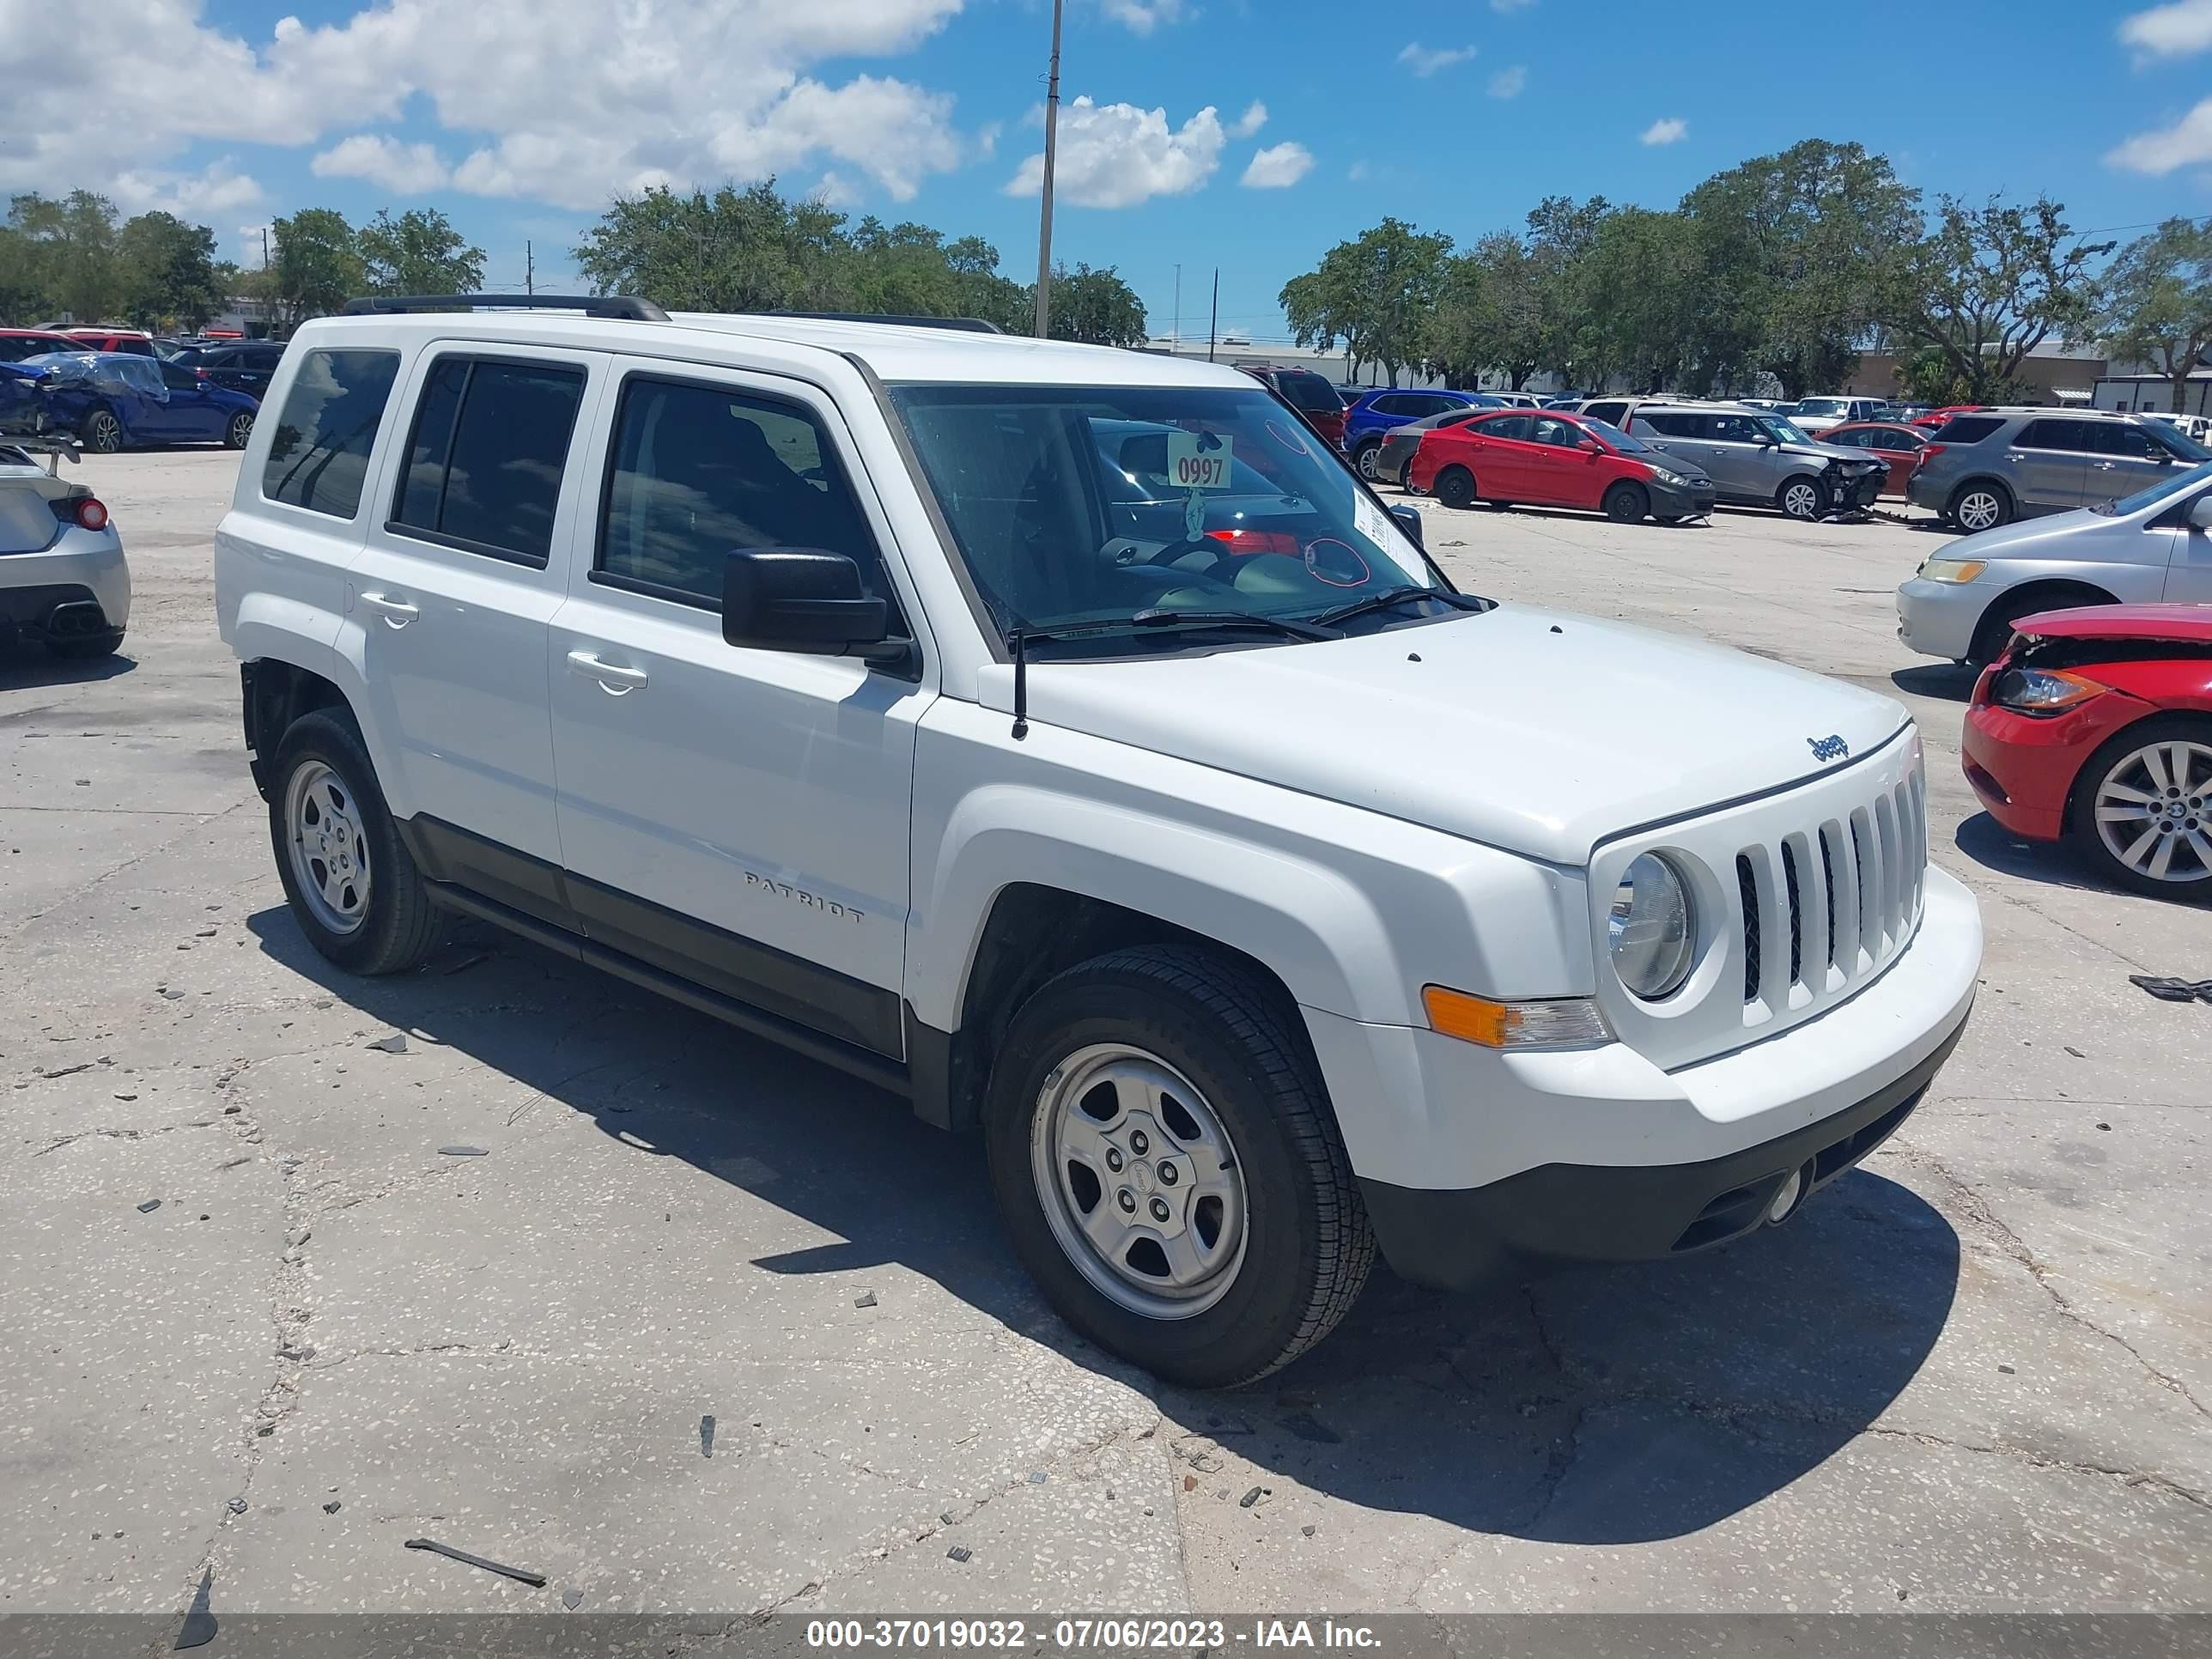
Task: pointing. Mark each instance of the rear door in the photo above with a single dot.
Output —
(2048, 462)
(1503, 462)
(465, 560)
(1566, 475)
(191, 416)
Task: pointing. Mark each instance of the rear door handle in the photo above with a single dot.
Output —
(613, 677)
(2106, 466)
(396, 613)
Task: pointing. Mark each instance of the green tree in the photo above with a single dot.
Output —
(1642, 290)
(748, 250)
(1095, 306)
(1562, 232)
(68, 254)
(1373, 295)
(317, 266)
(418, 253)
(168, 272)
(2158, 301)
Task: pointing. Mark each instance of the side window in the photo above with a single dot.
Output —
(178, 379)
(1966, 429)
(2054, 434)
(1671, 426)
(1730, 428)
(2132, 442)
(1849, 440)
(699, 471)
(484, 462)
(1389, 403)
(319, 459)
(1609, 413)
(1508, 426)
(1560, 434)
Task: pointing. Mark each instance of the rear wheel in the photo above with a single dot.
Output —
(1626, 503)
(1167, 1162)
(235, 435)
(1800, 497)
(1995, 630)
(1363, 457)
(1980, 506)
(1455, 487)
(2142, 807)
(103, 433)
(353, 885)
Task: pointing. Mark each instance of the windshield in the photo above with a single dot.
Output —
(1310, 392)
(2183, 445)
(1824, 406)
(2164, 489)
(1617, 439)
(1782, 431)
(1074, 506)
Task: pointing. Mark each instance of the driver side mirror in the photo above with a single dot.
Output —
(1589, 447)
(1409, 520)
(2200, 516)
(804, 599)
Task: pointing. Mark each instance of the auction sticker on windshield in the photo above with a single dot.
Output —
(1198, 460)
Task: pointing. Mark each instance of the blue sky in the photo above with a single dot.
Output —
(1250, 134)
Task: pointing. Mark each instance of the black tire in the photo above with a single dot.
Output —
(1964, 508)
(1995, 630)
(1626, 502)
(1455, 487)
(1794, 501)
(1363, 457)
(1308, 1247)
(87, 650)
(239, 431)
(103, 433)
(2116, 753)
(400, 927)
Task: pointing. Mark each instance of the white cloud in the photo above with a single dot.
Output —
(1278, 167)
(1505, 6)
(1356, 173)
(1114, 155)
(1251, 121)
(2178, 30)
(2187, 143)
(217, 188)
(403, 169)
(1426, 61)
(568, 110)
(1672, 129)
(1508, 82)
(1143, 17)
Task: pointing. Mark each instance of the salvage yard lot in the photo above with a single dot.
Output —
(1974, 1375)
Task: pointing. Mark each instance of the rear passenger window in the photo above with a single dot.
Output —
(1609, 413)
(484, 464)
(701, 471)
(319, 458)
(1670, 426)
(2072, 436)
(1508, 426)
(1966, 429)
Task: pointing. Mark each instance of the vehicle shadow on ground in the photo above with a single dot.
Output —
(1605, 1407)
(1935, 680)
(28, 667)
(1993, 846)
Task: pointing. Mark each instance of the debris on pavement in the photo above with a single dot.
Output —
(960, 1552)
(1190, 1483)
(1254, 1496)
(572, 1598)
(332, 1507)
(238, 1506)
(463, 1151)
(394, 1044)
(535, 1580)
(2173, 990)
(149, 1207)
(1036, 1477)
(199, 1626)
(706, 1436)
(865, 1300)
(1306, 1531)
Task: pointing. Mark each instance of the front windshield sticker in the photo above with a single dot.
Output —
(1289, 440)
(1198, 460)
(1193, 515)
(1371, 521)
(1338, 564)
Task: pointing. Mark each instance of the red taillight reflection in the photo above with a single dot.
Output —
(1256, 541)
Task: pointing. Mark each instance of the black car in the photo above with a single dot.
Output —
(242, 366)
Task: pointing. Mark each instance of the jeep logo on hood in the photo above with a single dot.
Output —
(1828, 748)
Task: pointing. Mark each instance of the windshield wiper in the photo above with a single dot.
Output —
(1294, 628)
(1020, 639)
(1390, 598)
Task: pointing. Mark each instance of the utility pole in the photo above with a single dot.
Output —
(530, 268)
(1177, 334)
(268, 300)
(1051, 149)
(1213, 328)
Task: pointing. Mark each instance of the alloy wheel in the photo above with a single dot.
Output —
(1979, 509)
(328, 846)
(2154, 810)
(1801, 501)
(1139, 1182)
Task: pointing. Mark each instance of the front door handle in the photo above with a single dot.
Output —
(396, 613)
(613, 677)
(2106, 466)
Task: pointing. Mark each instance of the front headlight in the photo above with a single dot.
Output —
(1652, 928)
(1663, 476)
(2039, 691)
(1952, 570)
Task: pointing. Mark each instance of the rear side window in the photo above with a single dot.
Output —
(1506, 425)
(699, 472)
(1391, 403)
(1310, 392)
(319, 459)
(2069, 435)
(1966, 429)
(484, 464)
(1609, 413)
(1670, 425)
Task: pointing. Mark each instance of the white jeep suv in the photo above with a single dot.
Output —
(1065, 738)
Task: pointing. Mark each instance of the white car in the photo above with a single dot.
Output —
(953, 708)
(63, 580)
(1817, 415)
(2151, 546)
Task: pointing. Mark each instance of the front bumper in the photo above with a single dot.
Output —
(1494, 1144)
(1689, 500)
(2022, 766)
(1938, 619)
(82, 567)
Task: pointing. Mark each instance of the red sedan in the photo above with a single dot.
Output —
(1935, 417)
(1896, 445)
(2096, 726)
(1552, 459)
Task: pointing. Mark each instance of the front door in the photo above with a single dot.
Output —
(1566, 475)
(2127, 459)
(466, 558)
(1739, 454)
(736, 816)
(2049, 461)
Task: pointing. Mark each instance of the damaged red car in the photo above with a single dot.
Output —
(2095, 727)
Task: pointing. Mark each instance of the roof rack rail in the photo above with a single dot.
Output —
(621, 306)
(961, 324)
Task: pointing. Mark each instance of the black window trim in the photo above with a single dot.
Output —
(394, 526)
(683, 596)
(368, 459)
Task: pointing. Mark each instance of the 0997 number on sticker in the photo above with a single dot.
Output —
(1198, 460)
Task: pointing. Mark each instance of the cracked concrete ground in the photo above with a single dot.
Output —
(1973, 1377)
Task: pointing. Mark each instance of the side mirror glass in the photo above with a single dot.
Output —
(799, 598)
(1590, 446)
(1409, 520)
(2200, 516)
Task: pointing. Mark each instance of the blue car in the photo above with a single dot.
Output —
(118, 400)
(1367, 420)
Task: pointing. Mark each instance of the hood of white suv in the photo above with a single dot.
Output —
(1535, 730)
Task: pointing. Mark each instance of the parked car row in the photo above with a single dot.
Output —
(119, 400)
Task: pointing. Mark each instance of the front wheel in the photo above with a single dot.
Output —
(2142, 807)
(1167, 1164)
(1363, 457)
(1800, 498)
(1626, 503)
(353, 886)
(103, 433)
(235, 435)
(1455, 487)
